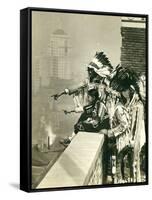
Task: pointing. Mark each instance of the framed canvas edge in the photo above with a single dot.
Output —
(27, 143)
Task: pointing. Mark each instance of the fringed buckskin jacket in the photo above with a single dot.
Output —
(128, 127)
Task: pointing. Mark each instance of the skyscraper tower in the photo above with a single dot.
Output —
(59, 53)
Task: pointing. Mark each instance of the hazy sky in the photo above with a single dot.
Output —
(88, 33)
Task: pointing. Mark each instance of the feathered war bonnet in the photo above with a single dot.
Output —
(124, 79)
(101, 65)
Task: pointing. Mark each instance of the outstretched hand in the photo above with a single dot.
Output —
(110, 133)
(55, 96)
(104, 131)
(67, 112)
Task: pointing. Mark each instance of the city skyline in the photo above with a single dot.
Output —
(102, 33)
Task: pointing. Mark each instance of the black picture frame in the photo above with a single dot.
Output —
(26, 97)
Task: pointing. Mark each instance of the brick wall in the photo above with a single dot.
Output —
(133, 50)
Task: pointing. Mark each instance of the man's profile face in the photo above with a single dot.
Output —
(126, 93)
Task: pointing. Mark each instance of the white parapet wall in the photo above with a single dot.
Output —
(80, 164)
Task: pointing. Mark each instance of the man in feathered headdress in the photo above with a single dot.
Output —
(100, 66)
(128, 118)
(99, 70)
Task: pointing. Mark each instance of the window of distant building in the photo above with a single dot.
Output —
(55, 66)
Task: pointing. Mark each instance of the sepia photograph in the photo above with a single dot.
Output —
(89, 118)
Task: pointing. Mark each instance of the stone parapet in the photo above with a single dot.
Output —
(80, 164)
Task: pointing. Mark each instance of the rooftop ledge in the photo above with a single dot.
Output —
(133, 22)
(76, 165)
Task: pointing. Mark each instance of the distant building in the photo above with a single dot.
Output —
(44, 71)
(52, 73)
(59, 53)
(133, 50)
(35, 75)
(60, 73)
(54, 63)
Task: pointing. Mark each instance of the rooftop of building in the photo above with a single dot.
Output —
(59, 32)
